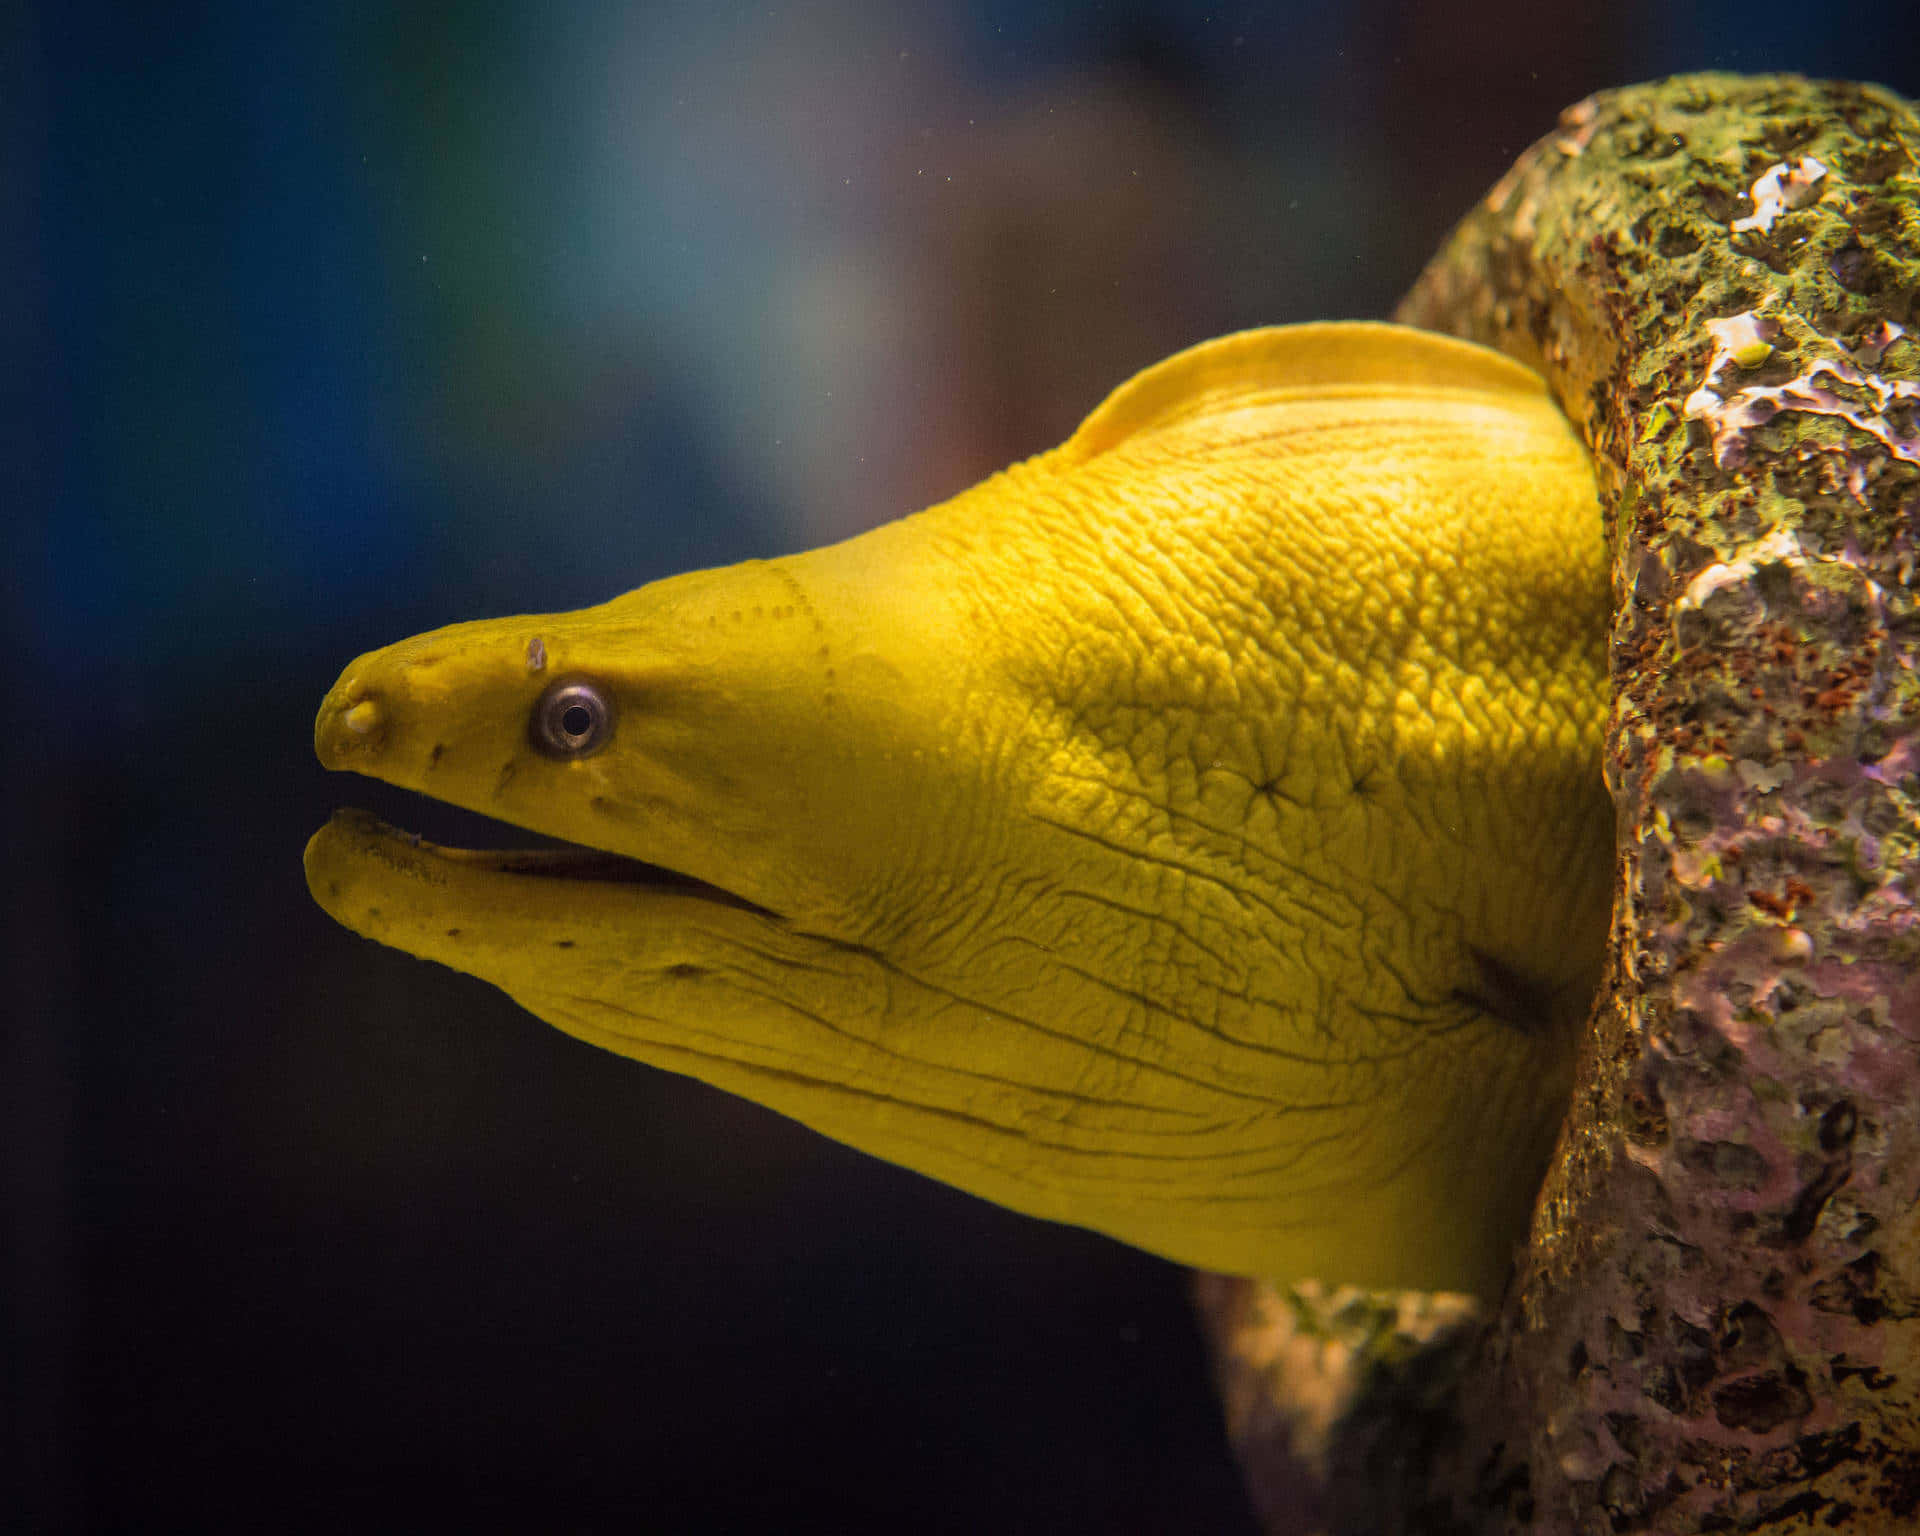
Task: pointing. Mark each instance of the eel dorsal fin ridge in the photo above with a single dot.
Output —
(1358, 357)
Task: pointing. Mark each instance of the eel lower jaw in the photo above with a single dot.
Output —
(563, 862)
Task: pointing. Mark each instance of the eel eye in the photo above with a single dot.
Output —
(572, 720)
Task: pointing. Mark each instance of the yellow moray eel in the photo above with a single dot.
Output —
(1195, 832)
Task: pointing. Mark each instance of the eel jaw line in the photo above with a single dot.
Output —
(361, 834)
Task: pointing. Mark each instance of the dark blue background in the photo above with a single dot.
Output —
(327, 324)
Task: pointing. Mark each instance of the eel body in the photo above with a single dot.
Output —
(1195, 832)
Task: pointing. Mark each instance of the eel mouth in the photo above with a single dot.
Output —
(555, 860)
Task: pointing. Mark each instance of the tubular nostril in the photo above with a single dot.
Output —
(352, 723)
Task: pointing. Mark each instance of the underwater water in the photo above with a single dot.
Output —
(332, 324)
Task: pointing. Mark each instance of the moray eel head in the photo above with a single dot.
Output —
(1195, 833)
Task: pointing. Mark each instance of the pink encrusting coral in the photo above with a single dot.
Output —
(1831, 386)
(1783, 187)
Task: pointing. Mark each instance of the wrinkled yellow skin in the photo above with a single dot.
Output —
(1195, 833)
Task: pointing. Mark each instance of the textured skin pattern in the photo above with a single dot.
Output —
(1195, 833)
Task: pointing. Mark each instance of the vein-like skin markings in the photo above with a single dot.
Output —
(1195, 832)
